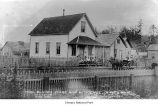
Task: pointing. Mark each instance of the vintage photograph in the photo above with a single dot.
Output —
(78, 49)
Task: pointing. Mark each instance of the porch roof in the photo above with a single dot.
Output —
(84, 40)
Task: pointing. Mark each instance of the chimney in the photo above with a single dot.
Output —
(63, 12)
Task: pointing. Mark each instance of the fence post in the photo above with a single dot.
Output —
(46, 83)
(156, 71)
(15, 72)
(96, 83)
(131, 81)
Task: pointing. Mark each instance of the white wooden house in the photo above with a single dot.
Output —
(64, 37)
(153, 51)
(19, 48)
(118, 47)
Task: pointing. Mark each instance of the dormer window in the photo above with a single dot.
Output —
(83, 26)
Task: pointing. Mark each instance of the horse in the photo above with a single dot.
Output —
(116, 64)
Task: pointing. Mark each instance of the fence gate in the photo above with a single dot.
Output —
(45, 83)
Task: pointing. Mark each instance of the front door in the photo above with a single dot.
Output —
(81, 50)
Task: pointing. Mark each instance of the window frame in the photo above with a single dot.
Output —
(118, 41)
(47, 47)
(58, 48)
(36, 47)
(73, 50)
(83, 26)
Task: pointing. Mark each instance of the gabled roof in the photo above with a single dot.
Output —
(1, 45)
(17, 46)
(153, 47)
(141, 47)
(107, 39)
(58, 25)
(134, 45)
(84, 40)
(129, 42)
(123, 41)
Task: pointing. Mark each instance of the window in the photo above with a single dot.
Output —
(58, 46)
(115, 52)
(37, 47)
(90, 50)
(118, 41)
(83, 26)
(47, 47)
(73, 50)
(120, 54)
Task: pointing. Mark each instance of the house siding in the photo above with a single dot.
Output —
(76, 31)
(6, 51)
(119, 47)
(152, 53)
(53, 39)
(66, 50)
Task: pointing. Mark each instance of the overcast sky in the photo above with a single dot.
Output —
(19, 17)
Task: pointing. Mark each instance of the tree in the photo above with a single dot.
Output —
(133, 34)
(11, 89)
(96, 31)
(139, 26)
(109, 29)
(153, 30)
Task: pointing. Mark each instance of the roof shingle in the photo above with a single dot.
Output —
(107, 39)
(84, 40)
(17, 46)
(57, 25)
(153, 47)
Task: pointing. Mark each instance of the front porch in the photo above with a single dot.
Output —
(86, 49)
(84, 52)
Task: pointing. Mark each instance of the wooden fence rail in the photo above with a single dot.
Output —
(29, 73)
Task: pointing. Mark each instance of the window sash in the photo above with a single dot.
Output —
(118, 41)
(83, 26)
(58, 47)
(47, 47)
(73, 50)
(37, 47)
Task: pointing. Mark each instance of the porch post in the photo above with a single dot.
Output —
(76, 50)
(67, 52)
(103, 54)
(95, 51)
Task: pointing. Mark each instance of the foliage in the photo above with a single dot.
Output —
(133, 34)
(109, 30)
(153, 30)
(11, 89)
(120, 94)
